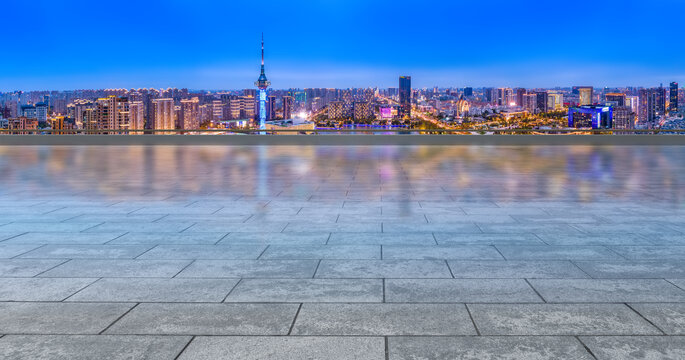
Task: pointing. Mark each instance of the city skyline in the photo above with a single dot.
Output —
(613, 43)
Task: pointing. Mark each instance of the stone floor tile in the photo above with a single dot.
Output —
(64, 238)
(632, 269)
(250, 269)
(11, 250)
(549, 252)
(487, 347)
(668, 317)
(209, 252)
(401, 227)
(86, 252)
(40, 289)
(607, 290)
(651, 252)
(307, 290)
(636, 347)
(142, 227)
(383, 269)
(513, 269)
(487, 239)
(459, 291)
(206, 319)
(266, 238)
(58, 318)
(441, 252)
(143, 238)
(26, 267)
(322, 252)
(155, 290)
(381, 239)
(559, 319)
(86, 347)
(595, 239)
(117, 268)
(383, 319)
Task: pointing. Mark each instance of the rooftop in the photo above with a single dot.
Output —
(342, 252)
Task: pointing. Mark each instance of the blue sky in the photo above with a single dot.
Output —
(204, 44)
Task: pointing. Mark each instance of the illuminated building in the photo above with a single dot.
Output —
(468, 91)
(271, 107)
(589, 116)
(615, 99)
(189, 118)
(555, 101)
(38, 111)
(541, 105)
(405, 97)
(110, 113)
(362, 110)
(585, 94)
(217, 111)
(163, 114)
(652, 105)
(530, 102)
(335, 110)
(288, 107)
(262, 84)
(22, 122)
(673, 98)
(520, 92)
(624, 118)
(77, 109)
(136, 111)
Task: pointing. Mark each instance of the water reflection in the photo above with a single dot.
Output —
(383, 173)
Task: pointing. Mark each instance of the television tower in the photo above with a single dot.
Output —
(262, 84)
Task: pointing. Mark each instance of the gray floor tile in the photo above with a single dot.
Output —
(304, 226)
(487, 347)
(383, 269)
(635, 228)
(58, 318)
(487, 239)
(285, 348)
(607, 290)
(142, 238)
(548, 252)
(44, 238)
(559, 319)
(459, 291)
(527, 228)
(207, 319)
(651, 252)
(381, 239)
(307, 290)
(322, 252)
(210, 252)
(155, 290)
(46, 227)
(383, 319)
(237, 227)
(86, 252)
(632, 269)
(11, 250)
(250, 269)
(513, 269)
(142, 227)
(441, 252)
(117, 268)
(26, 267)
(40, 289)
(668, 317)
(277, 238)
(401, 227)
(593, 239)
(636, 347)
(85, 347)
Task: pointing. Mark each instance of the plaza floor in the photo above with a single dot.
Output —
(369, 253)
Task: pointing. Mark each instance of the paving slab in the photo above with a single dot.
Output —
(307, 290)
(515, 269)
(487, 239)
(40, 289)
(8, 251)
(208, 252)
(381, 239)
(459, 291)
(45, 238)
(143, 238)
(402, 227)
(559, 319)
(594, 239)
(26, 267)
(607, 290)
(58, 318)
(632, 269)
(651, 252)
(322, 252)
(276, 238)
(487, 348)
(117, 268)
(250, 269)
(383, 269)
(86, 252)
(86, 347)
(206, 319)
(285, 348)
(549, 252)
(636, 347)
(155, 290)
(670, 318)
(441, 252)
(383, 319)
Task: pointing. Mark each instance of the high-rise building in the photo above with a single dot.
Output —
(530, 103)
(652, 106)
(405, 97)
(585, 94)
(189, 118)
(137, 115)
(362, 110)
(77, 109)
(615, 99)
(520, 92)
(288, 107)
(262, 84)
(271, 107)
(164, 114)
(335, 110)
(590, 116)
(624, 118)
(468, 91)
(673, 97)
(541, 101)
(110, 113)
(555, 101)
